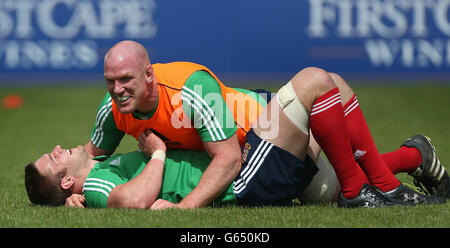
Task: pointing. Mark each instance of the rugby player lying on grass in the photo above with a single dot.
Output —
(132, 180)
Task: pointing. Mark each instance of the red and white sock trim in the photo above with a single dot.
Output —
(354, 103)
(326, 104)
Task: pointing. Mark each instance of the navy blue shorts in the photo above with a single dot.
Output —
(270, 175)
(267, 95)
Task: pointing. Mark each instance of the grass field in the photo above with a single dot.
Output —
(65, 116)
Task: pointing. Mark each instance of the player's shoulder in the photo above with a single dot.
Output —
(97, 189)
(107, 100)
(107, 172)
(100, 182)
(102, 176)
(201, 84)
(106, 103)
(104, 110)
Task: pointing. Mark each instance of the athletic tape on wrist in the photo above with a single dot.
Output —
(158, 154)
(293, 108)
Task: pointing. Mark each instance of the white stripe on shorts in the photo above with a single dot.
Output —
(252, 167)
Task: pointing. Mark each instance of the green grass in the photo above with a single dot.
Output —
(65, 116)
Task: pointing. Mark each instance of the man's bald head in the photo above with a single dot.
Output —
(130, 77)
(127, 52)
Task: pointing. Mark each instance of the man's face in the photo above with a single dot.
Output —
(59, 160)
(127, 84)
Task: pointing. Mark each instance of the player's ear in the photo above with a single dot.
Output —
(67, 182)
(149, 73)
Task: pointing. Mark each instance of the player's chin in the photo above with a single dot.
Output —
(77, 150)
(127, 107)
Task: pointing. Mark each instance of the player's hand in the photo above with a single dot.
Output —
(149, 143)
(163, 204)
(75, 200)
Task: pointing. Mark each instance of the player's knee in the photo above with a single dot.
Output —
(313, 79)
(336, 77)
(345, 89)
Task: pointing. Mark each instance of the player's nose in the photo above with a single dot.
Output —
(118, 88)
(57, 150)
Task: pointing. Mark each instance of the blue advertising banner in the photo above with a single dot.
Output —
(66, 40)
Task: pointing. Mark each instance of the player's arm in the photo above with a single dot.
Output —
(105, 135)
(204, 104)
(223, 169)
(142, 191)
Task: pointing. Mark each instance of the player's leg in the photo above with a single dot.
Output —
(414, 157)
(318, 94)
(314, 96)
(363, 146)
(366, 152)
(402, 160)
(405, 159)
(275, 127)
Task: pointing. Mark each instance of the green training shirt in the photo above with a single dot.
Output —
(182, 172)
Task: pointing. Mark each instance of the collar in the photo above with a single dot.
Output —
(145, 116)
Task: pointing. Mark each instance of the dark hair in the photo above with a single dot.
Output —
(43, 190)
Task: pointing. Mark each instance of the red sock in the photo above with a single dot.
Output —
(405, 159)
(365, 150)
(328, 127)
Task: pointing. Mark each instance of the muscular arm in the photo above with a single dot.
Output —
(105, 136)
(204, 105)
(224, 167)
(141, 191)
